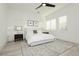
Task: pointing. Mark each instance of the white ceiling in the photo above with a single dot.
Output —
(30, 7)
(48, 10)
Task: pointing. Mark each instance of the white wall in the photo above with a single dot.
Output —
(17, 17)
(3, 25)
(72, 32)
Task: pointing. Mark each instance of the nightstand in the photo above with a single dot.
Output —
(18, 37)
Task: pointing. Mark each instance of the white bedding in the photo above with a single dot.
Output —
(35, 39)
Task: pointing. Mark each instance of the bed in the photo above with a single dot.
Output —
(36, 37)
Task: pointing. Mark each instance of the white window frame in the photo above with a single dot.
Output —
(62, 22)
(49, 25)
(53, 24)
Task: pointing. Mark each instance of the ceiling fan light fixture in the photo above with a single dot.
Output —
(44, 5)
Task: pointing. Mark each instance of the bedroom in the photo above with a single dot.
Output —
(46, 22)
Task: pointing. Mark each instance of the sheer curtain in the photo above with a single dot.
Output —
(51, 24)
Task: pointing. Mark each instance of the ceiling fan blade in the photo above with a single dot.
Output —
(38, 6)
(45, 4)
(50, 5)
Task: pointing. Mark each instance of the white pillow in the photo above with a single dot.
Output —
(39, 31)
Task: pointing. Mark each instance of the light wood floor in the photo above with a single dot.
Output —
(56, 48)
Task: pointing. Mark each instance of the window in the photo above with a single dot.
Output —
(63, 22)
(48, 25)
(51, 24)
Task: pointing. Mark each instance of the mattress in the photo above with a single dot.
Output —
(41, 42)
(39, 39)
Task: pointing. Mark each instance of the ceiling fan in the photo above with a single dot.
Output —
(45, 4)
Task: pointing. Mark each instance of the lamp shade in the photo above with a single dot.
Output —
(18, 28)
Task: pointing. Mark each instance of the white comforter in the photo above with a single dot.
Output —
(39, 39)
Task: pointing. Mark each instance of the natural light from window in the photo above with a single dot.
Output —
(48, 25)
(51, 24)
(63, 22)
